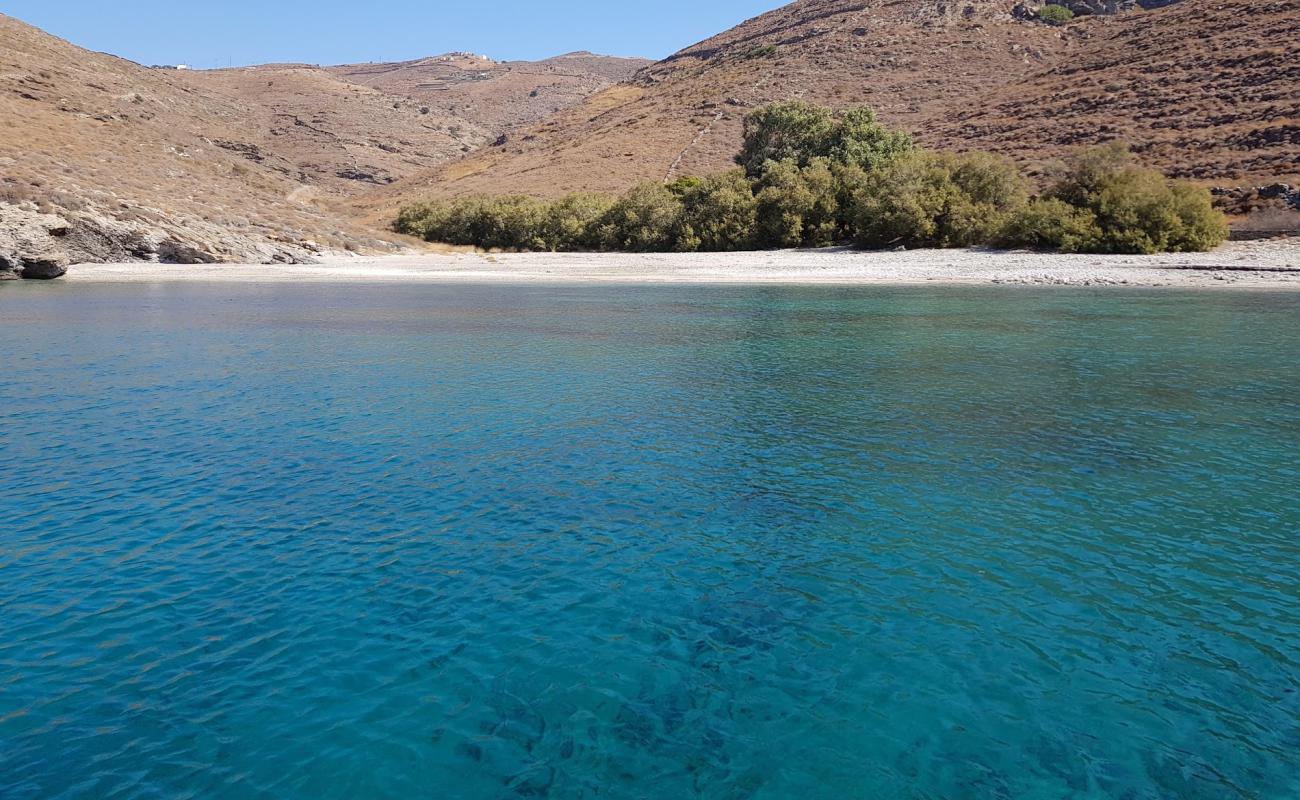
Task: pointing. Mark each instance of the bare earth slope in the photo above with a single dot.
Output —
(143, 162)
(1195, 86)
(1206, 89)
(495, 97)
(325, 131)
(240, 164)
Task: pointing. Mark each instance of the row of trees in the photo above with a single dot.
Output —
(809, 177)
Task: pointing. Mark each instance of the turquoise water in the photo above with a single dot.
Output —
(398, 542)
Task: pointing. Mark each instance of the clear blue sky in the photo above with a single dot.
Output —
(204, 34)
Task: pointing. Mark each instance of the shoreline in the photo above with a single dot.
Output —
(1255, 265)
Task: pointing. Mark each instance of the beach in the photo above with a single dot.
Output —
(1257, 265)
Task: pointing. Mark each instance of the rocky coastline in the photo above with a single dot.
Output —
(37, 245)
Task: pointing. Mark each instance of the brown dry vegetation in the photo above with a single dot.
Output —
(1203, 89)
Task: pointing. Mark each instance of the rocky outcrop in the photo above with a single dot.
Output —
(46, 268)
(1085, 8)
(41, 246)
(1242, 200)
(173, 252)
(29, 243)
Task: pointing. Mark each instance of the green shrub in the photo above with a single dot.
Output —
(415, 220)
(862, 141)
(720, 213)
(1055, 15)
(1079, 177)
(446, 221)
(573, 222)
(512, 222)
(850, 180)
(800, 131)
(937, 200)
(1137, 210)
(646, 219)
(1051, 224)
(1140, 211)
(797, 207)
(791, 131)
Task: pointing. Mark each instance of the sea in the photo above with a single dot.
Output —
(414, 541)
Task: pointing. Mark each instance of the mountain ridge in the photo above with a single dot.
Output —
(929, 68)
(245, 164)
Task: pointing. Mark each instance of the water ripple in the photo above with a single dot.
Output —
(725, 543)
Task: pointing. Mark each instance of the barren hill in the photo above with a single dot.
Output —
(912, 60)
(238, 164)
(495, 96)
(135, 159)
(325, 131)
(957, 73)
(1205, 89)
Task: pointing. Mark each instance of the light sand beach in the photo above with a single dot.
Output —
(1259, 265)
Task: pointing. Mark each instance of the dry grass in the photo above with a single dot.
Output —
(1279, 220)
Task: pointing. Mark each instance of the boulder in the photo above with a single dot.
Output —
(1084, 8)
(173, 252)
(7, 269)
(44, 268)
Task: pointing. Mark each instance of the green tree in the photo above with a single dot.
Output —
(861, 140)
(797, 206)
(720, 214)
(802, 132)
(646, 219)
(572, 222)
(789, 131)
(937, 200)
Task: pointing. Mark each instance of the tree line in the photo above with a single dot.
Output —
(810, 177)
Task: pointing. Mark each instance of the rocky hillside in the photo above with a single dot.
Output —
(959, 74)
(328, 133)
(1204, 89)
(143, 163)
(495, 97)
(104, 159)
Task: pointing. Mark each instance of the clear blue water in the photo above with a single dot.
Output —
(397, 542)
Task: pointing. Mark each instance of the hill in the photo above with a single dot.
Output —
(240, 164)
(495, 97)
(1204, 89)
(324, 131)
(970, 74)
(146, 163)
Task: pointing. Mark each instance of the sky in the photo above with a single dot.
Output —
(204, 34)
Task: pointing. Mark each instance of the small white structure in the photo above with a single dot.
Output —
(182, 66)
